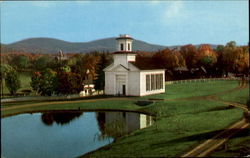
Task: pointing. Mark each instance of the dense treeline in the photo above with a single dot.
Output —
(66, 74)
(191, 62)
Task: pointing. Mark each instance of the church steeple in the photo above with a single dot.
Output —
(124, 43)
(124, 53)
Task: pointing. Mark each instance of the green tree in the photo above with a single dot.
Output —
(12, 81)
(21, 62)
(105, 60)
(42, 62)
(5, 69)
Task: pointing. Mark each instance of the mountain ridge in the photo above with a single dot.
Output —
(45, 45)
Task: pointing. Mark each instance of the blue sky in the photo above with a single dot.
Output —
(158, 22)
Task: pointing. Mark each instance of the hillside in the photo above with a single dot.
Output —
(50, 45)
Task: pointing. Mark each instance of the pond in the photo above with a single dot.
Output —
(65, 134)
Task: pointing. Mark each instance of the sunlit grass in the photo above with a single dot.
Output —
(183, 90)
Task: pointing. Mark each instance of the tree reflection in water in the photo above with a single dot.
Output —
(117, 124)
(60, 117)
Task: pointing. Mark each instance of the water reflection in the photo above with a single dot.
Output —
(61, 117)
(117, 124)
(65, 134)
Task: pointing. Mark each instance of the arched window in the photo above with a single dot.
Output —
(128, 46)
(122, 47)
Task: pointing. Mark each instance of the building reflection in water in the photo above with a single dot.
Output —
(117, 124)
(60, 117)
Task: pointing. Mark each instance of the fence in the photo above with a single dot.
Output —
(204, 80)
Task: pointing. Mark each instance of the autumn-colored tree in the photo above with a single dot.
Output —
(69, 83)
(235, 59)
(86, 65)
(206, 56)
(190, 54)
(168, 59)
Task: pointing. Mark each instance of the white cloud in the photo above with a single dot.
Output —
(174, 9)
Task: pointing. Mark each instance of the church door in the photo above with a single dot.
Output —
(123, 89)
(121, 84)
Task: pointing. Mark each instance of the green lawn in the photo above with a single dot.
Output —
(180, 124)
(183, 90)
(172, 135)
(240, 96)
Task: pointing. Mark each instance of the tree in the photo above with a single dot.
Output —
(168, 59)
(42, 62)
(5, 69)
(235, 59)
(105, 60)
(87, 62)
(21, 62)
(69, 83)
(12, 81)
(206, 56)
(45, 83)
(190, 54)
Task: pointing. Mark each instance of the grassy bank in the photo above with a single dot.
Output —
(174, 132)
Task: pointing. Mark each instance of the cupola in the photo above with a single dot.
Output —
(124, 43)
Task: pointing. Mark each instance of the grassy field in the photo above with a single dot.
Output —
(237, 96)
(180, 124)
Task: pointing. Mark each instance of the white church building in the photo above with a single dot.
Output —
(125, 77)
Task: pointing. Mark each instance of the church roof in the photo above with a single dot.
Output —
(124, 52)
(144, 65)
(124, 37)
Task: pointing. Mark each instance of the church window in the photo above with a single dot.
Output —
(147, 82)
(128, 46)
(122, 47)
(152, 82)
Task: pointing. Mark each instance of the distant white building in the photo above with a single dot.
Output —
(125, 77)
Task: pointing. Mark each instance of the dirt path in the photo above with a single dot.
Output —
(210, 145)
